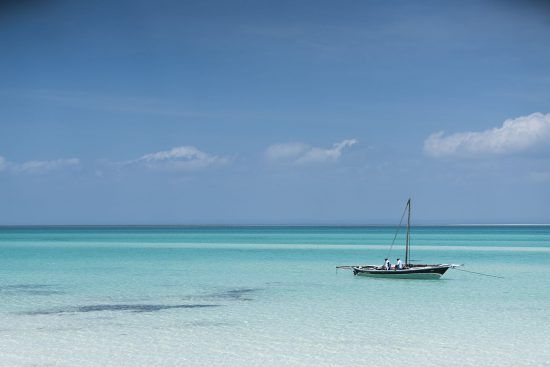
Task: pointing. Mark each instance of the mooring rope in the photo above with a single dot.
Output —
(475, 272)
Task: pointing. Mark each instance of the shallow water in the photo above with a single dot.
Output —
(219, 296)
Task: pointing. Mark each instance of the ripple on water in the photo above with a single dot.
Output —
(118, 307)
(29, 289)
(237, 294)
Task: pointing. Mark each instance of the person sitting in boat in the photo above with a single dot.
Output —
(399, 265)
(387, 265)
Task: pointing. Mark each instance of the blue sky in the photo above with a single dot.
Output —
(274, 112)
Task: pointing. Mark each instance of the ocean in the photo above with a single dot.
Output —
(270, 296)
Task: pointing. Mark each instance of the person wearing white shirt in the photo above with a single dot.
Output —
(387, 265)
(399, 265)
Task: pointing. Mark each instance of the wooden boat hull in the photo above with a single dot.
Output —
(428, 272)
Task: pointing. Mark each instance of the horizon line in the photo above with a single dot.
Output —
(211, 225)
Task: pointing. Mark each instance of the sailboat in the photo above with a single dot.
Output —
(408, 270)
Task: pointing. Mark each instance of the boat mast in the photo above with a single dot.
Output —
(408, 238)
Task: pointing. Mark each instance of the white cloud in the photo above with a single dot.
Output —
(45, 166)
(299, 153)
(180, 158)
(515, 135)
(286, 151)
(35, 167)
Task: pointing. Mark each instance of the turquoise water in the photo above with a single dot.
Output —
(245, 296)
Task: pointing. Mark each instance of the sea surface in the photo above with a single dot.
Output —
(271, 296)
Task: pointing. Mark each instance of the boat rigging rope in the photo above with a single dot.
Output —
(474, 272)
(397, 231)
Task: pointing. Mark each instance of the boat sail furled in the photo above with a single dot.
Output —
(409, 270)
